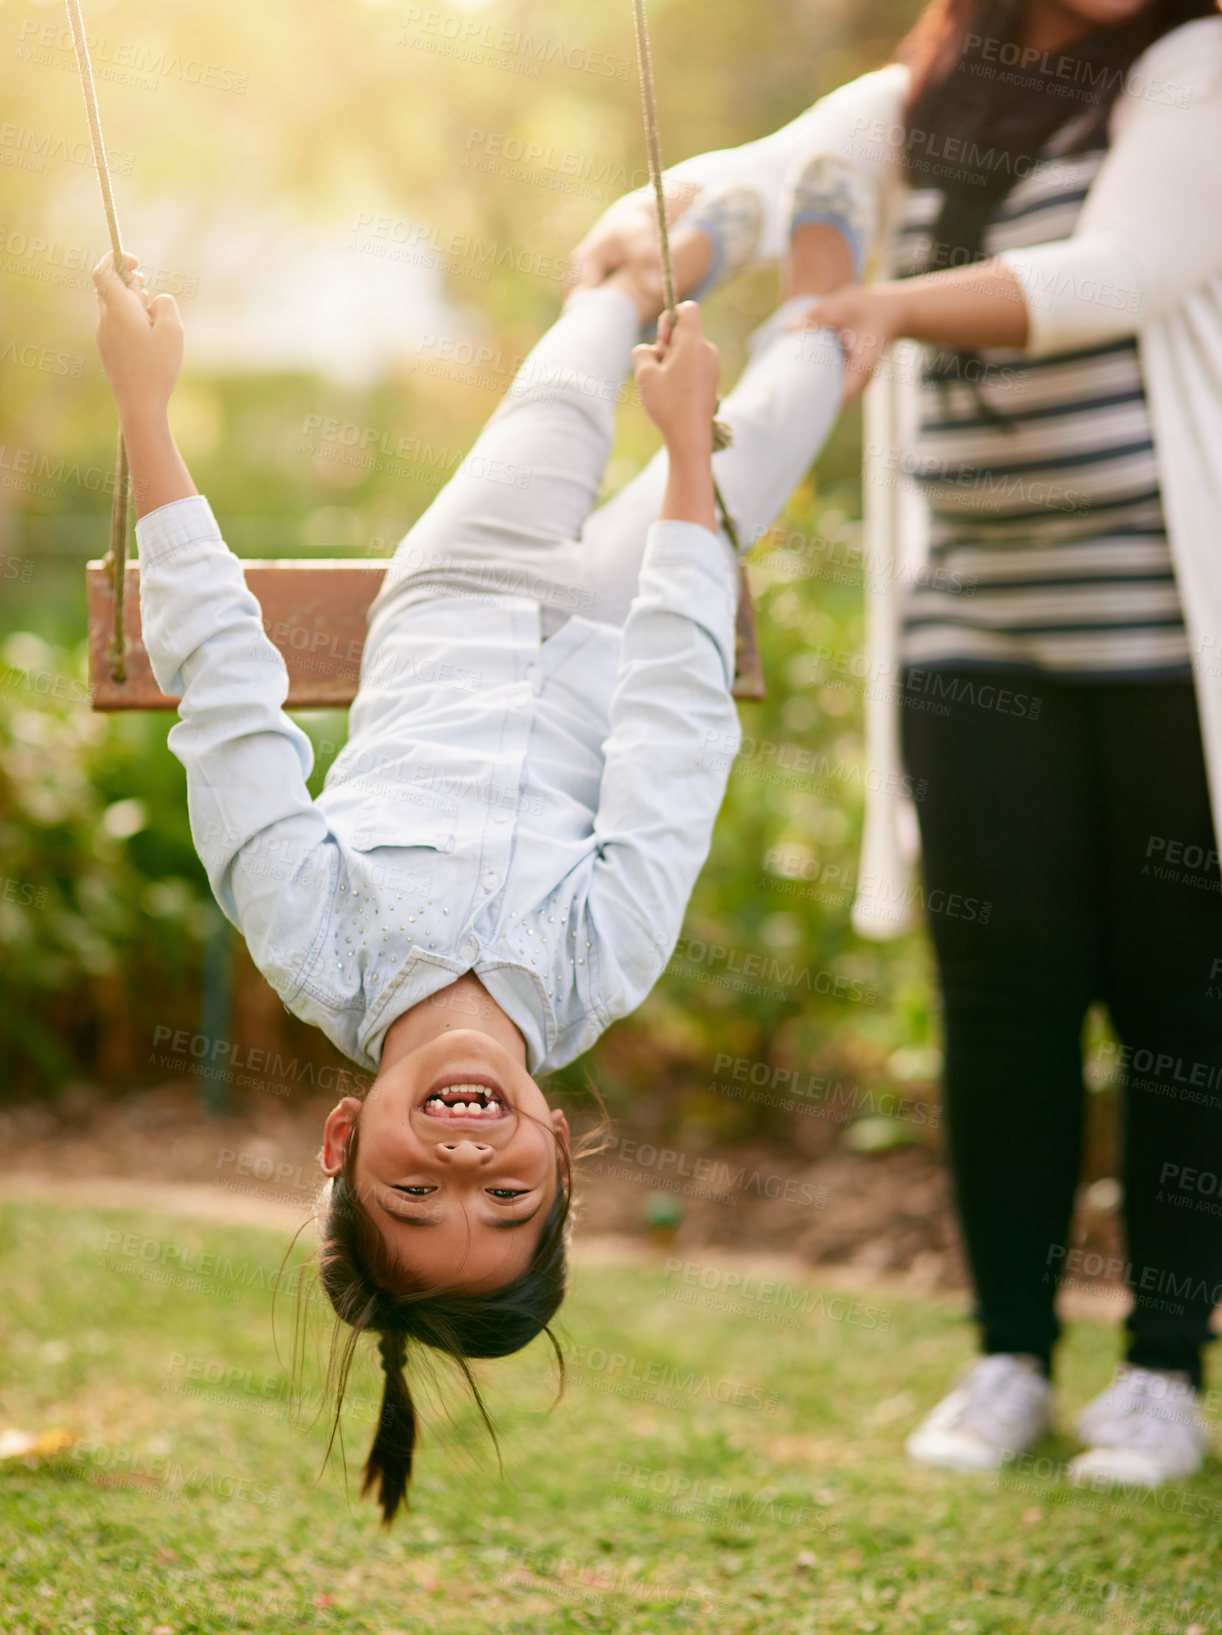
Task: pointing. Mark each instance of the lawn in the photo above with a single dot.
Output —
(714, 1469)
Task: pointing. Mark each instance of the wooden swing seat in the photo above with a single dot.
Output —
(315, 612)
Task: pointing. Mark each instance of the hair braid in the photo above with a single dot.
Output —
(390, 1458)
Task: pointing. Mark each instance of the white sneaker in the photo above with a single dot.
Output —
(1002, 1406)
(1145, 1429)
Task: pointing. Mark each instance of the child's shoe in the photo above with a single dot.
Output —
(835, 192)
(1146, 1428)
(998, 1410)
(731, 218)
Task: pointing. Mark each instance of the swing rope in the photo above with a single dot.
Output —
(116, 556)
(721, 432)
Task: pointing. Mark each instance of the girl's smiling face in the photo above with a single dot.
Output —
(458, 1162)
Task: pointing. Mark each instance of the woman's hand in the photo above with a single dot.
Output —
(140, 340)
(677, 380)
(974, 308)
(867, 318)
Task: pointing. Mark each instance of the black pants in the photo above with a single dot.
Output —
(1080, 815)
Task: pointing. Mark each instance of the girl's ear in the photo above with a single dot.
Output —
(337, 1132)
(561, 1126)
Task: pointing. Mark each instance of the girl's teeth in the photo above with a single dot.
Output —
(489, 1109)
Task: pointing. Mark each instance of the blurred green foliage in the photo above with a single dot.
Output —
(347, 111)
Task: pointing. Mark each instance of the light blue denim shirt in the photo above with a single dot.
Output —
(534, 812)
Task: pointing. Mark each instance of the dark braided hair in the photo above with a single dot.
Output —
(360, 1279)
(390, 1457)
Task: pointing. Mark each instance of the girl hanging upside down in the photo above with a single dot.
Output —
(498, 866)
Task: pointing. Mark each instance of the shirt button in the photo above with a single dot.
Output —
(500, 815)
(469, 948)
(490, 880)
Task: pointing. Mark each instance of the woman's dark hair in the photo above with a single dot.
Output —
(358, 1276)
(981, 111)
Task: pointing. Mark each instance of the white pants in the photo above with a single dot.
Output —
(518, 514)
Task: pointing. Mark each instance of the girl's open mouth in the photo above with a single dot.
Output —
(465, 1100)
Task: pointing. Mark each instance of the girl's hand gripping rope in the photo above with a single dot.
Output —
(677, 379)
(140, 339)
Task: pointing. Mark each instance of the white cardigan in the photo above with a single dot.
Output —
(1145, 258)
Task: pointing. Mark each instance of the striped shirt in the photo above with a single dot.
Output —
(1048, 549)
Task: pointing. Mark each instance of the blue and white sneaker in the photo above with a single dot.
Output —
(731, 218)
(835, 192)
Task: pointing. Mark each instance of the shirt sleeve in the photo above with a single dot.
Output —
(259, 836)
(1150, 229)
(861, 121)
(674, 733)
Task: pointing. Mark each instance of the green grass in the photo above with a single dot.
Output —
(707, 1470)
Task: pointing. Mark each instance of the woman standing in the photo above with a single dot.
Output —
(1050, 176)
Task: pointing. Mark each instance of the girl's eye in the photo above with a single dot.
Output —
(507, 1192)
(416, 1192)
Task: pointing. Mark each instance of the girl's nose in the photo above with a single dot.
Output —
(464, 1154)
